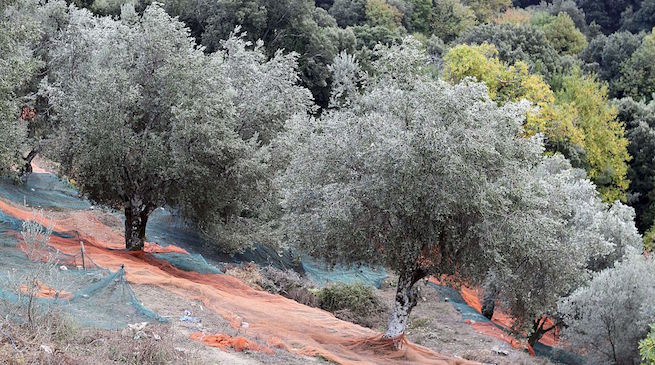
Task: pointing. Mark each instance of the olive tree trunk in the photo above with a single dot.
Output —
(489, 302)
(406, 299)
(26, 169)
(539, 329)
(136, 219)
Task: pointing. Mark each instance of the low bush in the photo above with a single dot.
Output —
(289, 284)
(356, 303)
(647, 347)
(286, 283)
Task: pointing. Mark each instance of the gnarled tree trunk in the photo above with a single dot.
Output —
(539, 329)
(26, 170)
(136, 219)
(406, 299)
(489, 301)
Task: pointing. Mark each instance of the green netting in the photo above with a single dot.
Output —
(167, 228)
(188, 262)
(555, 355)
(322, 274)
(93, 297)
(43, 191)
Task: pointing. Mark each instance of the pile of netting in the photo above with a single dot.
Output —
(45, 278)
(272, 320)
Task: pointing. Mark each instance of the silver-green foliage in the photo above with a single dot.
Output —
(147, 119)
(612, 313)
(561, 232)
(429, 178)
(416, 175)
(17, 66)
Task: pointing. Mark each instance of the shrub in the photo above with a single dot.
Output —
(288, 284)
(647, 347)
(608, 317)
(356, 303)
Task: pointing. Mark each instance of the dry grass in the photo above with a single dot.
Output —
(55, 339)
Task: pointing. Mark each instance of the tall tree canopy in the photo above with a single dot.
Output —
(639, 118)
(428, 178)
(560, 32)
(638, 72)
(517, 43)
(148, 120)
(288, 25)
(605, 55)
(18, 64)
(577, 120)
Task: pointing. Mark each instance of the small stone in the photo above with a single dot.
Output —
(139, 335)
(156, 336)
(500, 351)
(47, 349)
(181, 350)
(63, 268)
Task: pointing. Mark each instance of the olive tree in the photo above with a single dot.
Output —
(574, 234)
(609, 316)
(416, 175)
(18, 65)
(429, 178)
(148, 120)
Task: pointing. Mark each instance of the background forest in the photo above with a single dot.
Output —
(506, 144)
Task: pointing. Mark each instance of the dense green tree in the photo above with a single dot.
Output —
(566, 6)
(148, 120)
(450, 18)
(517, 43)
(605, 55)
(639, 119)
(349, 12)
(486, 9)
(560, 32)
(639, 19)
(420, 16)
(638, 72)
(18, 64)
(289, 25)
(368, 37)
(605, 13)
(382, 14)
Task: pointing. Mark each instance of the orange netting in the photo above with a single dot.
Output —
(223, 342)
(285, 323)
(44, 291)
(472, 297)
(151, 247)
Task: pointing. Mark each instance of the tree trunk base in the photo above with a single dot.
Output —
(406, 299)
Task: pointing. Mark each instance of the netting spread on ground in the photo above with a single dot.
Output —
(52, 279)
(467, 302)
(272, 320)
(322, 274)
(43, 191)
